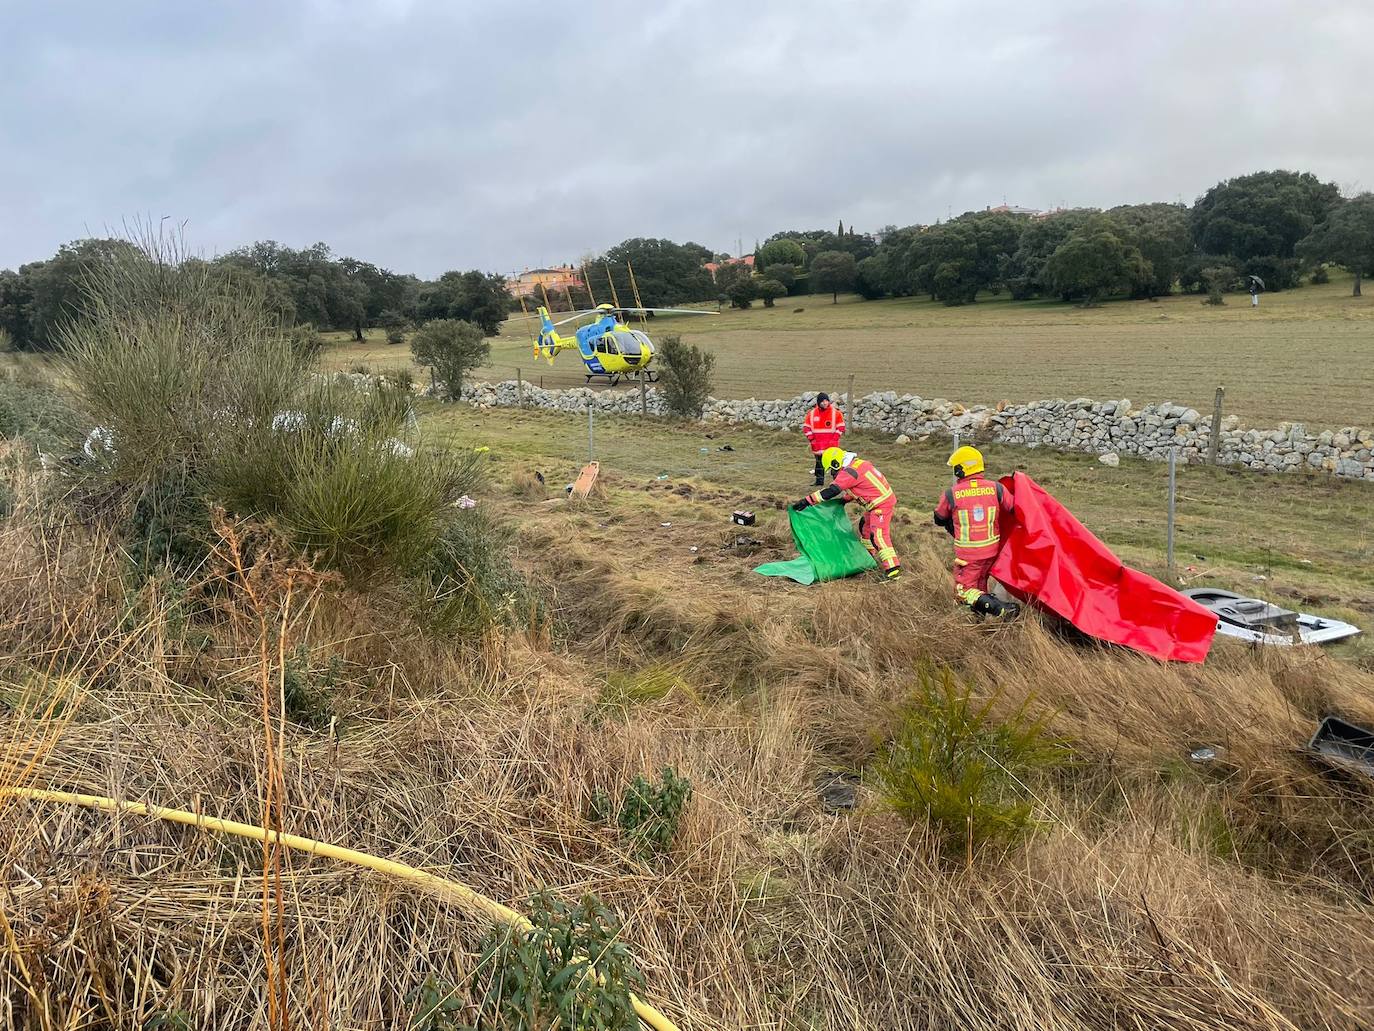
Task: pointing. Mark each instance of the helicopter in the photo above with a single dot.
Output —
(609, 348)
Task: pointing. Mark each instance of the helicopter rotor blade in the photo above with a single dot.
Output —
(574, 317)
(570, 318)
(677, 311)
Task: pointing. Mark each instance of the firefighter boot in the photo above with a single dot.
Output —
(987, 605)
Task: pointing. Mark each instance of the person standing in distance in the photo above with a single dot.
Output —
(823, 426)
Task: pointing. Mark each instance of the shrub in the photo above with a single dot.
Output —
(769, 290)
(452, 348)
(170, 354)
(437, 1006)
(306, 342)
(570, 970)
(305, 692)
(466, 582)
(649, 814)
(6, 341)
(782, 273)
(952, 765)
(1320, 275)
(741, 293)
(168, 525)
(685, 377)
(395, 336)
(1218, 279)
(204, 399)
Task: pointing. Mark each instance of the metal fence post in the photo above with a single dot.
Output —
(849, 399)
(1173, 460)
(591, 415)
(519, 388)
(1214, 445)
(643, 397)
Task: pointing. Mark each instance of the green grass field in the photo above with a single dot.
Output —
(1304, 355)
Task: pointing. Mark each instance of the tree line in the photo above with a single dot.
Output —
(306, 286)
(1278, 226)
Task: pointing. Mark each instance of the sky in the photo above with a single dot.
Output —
(426, 135)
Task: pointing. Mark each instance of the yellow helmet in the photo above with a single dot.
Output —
(966, 461)
(833, 457)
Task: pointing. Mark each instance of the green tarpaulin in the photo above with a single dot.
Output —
(829, 549)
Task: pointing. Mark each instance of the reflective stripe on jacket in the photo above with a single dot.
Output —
(823, 428)
(861, 481)
(971, 509)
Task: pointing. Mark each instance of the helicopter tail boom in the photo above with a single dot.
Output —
(549, 343)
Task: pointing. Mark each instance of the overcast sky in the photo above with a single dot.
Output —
(425, 135)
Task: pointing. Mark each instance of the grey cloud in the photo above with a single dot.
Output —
(426, 134)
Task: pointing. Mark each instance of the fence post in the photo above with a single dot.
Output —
(1173, 459)
(953, 476)
(591, 449)
(849, 398)
(519, 388)
(643, 398)
(1214, 445)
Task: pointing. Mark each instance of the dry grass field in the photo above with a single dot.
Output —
(1118, 879)
(1305, 355)
(1243, 531)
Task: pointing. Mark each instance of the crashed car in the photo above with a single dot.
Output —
(1260, 622)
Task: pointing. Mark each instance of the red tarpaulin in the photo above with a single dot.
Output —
(1051, 558)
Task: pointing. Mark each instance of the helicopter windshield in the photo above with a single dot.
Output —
(629, 342)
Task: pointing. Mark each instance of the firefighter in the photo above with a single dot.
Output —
(858, 480)
(823, 426)
(969, 511)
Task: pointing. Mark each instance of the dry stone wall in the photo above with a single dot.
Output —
(1097, 427)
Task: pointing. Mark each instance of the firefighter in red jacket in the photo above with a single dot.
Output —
(823, 426)
(970, 512)
(858, 480)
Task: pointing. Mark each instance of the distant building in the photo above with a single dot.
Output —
(560, 277)
(1012, 209)
(714, 266)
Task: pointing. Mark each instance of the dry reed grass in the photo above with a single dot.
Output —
(1157, 896)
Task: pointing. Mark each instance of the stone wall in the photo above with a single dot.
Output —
(1097, 427)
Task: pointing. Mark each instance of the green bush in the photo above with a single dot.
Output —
(1219, 279)
(352, 500)
(168, 525)
(571, 971)
(649, 814)
(769, 290)
(466, 582)
(305, 341)
(741, 293)
(170, 354)
(395, 336)
(953, 766)
(205, 398)
(685, 376)
(1321, 274)
(452, 348)
(437, 1005)
(306, 692)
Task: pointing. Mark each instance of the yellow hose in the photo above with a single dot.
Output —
(450, 890)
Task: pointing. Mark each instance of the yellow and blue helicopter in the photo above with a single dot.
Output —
(608, 346)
